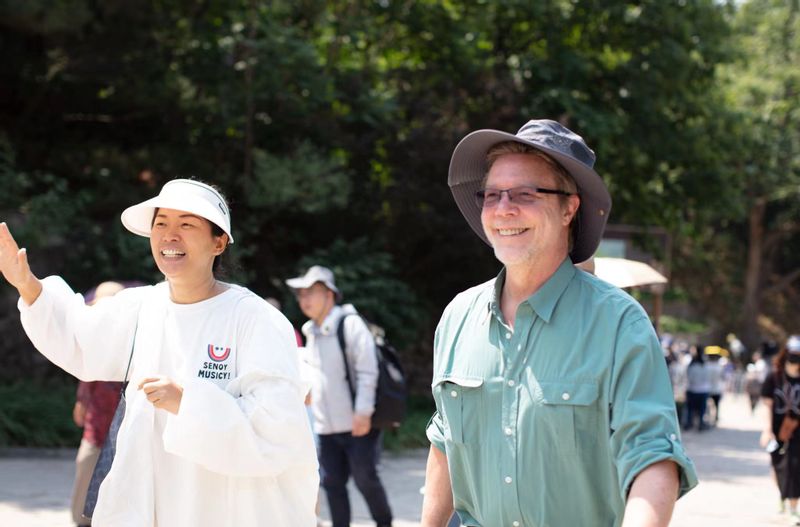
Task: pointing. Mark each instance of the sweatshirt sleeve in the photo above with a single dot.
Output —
(257, 426)
(89, 342)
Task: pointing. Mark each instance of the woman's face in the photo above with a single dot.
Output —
(183, 245)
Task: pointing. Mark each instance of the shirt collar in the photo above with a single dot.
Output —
(543, 301)
(329, 325)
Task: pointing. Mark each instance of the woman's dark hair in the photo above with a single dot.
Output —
(779, 362)
(697, 357)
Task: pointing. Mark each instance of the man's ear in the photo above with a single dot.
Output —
(571, 208)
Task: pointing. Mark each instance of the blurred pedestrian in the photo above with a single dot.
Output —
(553, 401)
(348, 444)
(697, 390)
(93, 411)
(781, 396)
(755, 374)
(214, 432)
(715, 364)
(680, 381)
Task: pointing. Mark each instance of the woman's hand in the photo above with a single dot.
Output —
(163, 392)
(15, 268)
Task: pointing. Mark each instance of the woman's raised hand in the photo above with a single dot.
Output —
(15, 268)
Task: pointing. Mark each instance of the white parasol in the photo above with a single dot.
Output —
(622, 272)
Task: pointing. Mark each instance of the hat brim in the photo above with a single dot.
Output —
(304, 282)
(139, 218)
(468, 168)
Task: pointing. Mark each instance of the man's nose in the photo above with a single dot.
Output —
(504, 204)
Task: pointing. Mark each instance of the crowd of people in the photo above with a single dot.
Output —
(771, 378)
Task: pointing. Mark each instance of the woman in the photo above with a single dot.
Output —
(215, 433)
(780, 394)
(697, 390)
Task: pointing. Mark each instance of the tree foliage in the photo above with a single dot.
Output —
(329, 124)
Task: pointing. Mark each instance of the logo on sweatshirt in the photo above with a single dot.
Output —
(218, 368)
(218, 353)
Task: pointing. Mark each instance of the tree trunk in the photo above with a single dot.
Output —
(751, 305)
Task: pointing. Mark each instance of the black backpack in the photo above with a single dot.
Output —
(391, 391)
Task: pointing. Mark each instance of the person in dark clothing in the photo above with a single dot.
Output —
(781, 396)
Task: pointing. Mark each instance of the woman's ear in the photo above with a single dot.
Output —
(220, 244)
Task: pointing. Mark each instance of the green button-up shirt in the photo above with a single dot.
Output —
(547, 424)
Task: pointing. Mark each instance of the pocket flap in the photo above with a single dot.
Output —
(466, 382)
(578, 394)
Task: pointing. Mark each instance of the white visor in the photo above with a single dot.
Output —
(180, 194)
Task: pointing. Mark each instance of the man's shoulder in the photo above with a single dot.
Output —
(615, 302)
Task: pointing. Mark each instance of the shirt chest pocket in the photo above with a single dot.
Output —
(569, 414)
(460, 403)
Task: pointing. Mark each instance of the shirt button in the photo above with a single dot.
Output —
(508, 479)
(511, 382)
(519, 347)
(673, 437)
(508, 335)
(515, 523)
(454, 394)
(508, 431)
(565, 396)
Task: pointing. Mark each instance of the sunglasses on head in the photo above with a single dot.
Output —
(793, 358)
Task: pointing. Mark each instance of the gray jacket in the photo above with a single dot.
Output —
(331, 402)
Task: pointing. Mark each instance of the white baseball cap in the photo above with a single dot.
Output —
(793, 344)
(185, 195)
(315, 273)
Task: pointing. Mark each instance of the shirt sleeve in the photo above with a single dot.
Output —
(644, 425)
(435, 431)
(363, 363)
(435, 428)
(258, 425)
(89, 342)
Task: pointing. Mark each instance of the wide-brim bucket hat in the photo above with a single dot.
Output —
(468, 169)
(314, 274)
(186, 195)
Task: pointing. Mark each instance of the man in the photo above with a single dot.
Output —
(342, 401)
(553, 402)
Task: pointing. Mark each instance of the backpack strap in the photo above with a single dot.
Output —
(343, 347)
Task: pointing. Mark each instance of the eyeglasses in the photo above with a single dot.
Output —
(490, 197)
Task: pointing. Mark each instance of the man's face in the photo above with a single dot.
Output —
(524, 233)
(315, 301)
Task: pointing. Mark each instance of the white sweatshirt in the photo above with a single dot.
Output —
(239, 452)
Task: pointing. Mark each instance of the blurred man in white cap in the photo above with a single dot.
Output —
(553, 401)
(342, 395)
